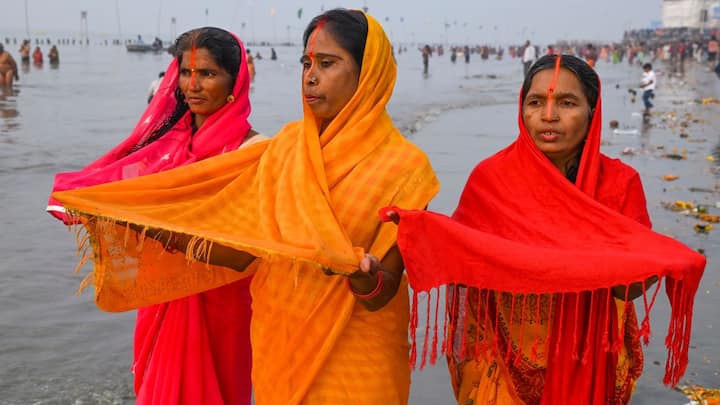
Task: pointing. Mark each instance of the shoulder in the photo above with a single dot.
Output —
(613, 168)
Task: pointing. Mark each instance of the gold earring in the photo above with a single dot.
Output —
(230, 98)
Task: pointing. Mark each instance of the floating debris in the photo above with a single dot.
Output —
(703, 228)
(709, 218)
(708, 100)
(710, 158)
(614, 124)
(678, 205)
(677, 156)
(629, 151)
(670, 177)
(700, 395)
(626, 131)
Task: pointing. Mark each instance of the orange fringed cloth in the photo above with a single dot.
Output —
(522, 229)
(300, 202)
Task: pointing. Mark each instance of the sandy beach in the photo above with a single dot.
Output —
(57, 348)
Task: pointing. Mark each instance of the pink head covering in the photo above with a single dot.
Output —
(224, 130)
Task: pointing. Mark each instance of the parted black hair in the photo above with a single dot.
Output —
(348, 27)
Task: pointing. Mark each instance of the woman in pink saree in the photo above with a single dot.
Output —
(195, 349)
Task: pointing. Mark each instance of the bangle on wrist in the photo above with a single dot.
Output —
(372, 294)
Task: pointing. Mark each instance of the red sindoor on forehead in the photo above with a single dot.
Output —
(313, 37)
(193, 52)
(551, 88)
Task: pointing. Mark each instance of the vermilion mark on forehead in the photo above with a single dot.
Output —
(311, 43)
(193, 53)
(551, 88)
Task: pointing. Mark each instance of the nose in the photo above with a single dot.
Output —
(550, 113)
(309, 77)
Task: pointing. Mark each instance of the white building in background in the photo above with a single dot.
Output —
(703, 14)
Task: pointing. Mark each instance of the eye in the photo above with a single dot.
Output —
(567, 103)
(184, 72)
(326, 63)
(533, 102)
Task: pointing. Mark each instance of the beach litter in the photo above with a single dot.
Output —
(675, 155)
(703, 228)
(700, 395)
(626, 131)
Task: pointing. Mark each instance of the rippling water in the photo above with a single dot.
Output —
(56, 347)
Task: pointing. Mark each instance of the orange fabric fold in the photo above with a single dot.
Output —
(300, 203)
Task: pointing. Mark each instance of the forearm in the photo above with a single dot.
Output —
(218, 255)
(391, 283)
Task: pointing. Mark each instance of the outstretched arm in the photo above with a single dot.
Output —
(220, 255)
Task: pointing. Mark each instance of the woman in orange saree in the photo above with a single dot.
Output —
(298, 208)
(194, 349)
(548, 247)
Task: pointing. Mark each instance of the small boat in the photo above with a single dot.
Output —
(144, 48)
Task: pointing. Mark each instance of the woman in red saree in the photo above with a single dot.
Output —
(548, 247)
(195, 349)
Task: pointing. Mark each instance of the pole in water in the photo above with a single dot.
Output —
(27, 20)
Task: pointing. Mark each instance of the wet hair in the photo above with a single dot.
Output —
(587, 76)
(348, 27)
(225, 51)
(589, 81)
(647, 66)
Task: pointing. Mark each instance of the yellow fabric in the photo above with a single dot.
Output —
(487, 380)
(298, 202)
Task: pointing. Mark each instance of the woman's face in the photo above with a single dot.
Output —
(204, 83)
(330, 76)
(558, 124)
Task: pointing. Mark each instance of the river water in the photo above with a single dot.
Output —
(58, 348)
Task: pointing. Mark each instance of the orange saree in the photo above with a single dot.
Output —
(301, 203)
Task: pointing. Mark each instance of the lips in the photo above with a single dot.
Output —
(312, 99)
(549, 135)
(195, 100)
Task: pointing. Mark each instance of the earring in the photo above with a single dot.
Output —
(230, 98)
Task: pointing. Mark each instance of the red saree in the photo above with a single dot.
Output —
(195, 349)
(523, 230)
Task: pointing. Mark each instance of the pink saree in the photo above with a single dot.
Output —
(195, 349)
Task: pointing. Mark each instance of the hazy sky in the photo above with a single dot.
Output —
(477, 21)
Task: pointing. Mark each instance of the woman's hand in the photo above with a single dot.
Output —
(394, 216)
(376, 282)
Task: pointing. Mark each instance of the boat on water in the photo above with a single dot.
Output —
(144, 48)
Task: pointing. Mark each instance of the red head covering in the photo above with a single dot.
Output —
(225, 130)
(521, 227)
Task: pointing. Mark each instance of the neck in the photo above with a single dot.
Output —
(199, 120)
(565, 163)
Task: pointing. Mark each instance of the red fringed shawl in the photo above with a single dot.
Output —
(522, 228)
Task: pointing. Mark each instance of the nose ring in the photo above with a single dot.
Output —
(313, 80)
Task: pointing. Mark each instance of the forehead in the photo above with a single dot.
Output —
(202, 58)
(567, 82)
(322, 41)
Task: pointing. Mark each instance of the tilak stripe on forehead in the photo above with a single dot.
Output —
(311, 42)
(551, 88)
(193, 52)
